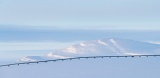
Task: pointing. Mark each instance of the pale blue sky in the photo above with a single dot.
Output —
(84, 14)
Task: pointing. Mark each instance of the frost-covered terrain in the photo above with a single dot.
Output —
(138, 67)
(101, 47)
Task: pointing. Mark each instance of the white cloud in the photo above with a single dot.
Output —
(33, 45)
(154, 42)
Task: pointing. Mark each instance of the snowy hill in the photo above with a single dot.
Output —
(31, 58)
(101, 47)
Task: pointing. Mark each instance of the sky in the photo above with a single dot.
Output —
(81, 14)
(36, 27)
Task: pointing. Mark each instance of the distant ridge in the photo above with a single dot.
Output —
(101, 47)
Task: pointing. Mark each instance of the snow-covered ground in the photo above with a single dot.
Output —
(138, 67)
(101, 47)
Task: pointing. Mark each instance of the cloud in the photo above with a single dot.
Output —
(16, 50)
(12, 46)
(154, 42)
